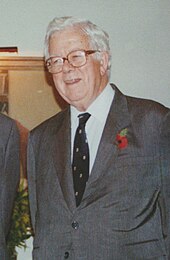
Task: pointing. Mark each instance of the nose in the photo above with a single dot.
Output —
(67, 66)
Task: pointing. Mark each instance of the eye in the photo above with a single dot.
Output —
(76, 55)
(57, 61)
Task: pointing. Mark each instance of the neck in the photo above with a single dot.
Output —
(83, 107)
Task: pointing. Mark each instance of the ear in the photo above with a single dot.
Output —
(104, 62)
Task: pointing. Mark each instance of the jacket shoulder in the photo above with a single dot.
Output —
(50, 124)
(145, 107)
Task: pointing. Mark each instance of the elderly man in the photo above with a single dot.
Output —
(98, 171)
(9, 176)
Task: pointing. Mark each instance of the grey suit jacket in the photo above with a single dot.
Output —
(9, 176)
(124, 213)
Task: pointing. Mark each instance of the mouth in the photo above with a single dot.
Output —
(72, 81)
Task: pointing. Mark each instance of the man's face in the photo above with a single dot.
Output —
(78, 86)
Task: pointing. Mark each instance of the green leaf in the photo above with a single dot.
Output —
(21, 228)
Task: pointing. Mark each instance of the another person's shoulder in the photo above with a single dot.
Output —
(4, 119)
(8, 127)
(7, 124)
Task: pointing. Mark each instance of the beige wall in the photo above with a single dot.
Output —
(30, 94)
(31, 99)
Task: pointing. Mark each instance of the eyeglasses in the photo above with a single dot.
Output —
(76, 58)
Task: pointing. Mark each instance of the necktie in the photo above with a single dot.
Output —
(80, 165)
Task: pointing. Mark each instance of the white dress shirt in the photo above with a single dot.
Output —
(99, 110)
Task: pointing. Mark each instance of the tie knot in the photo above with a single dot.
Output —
(83, 118)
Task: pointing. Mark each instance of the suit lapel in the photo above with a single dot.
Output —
(62, 160)
(117, 120)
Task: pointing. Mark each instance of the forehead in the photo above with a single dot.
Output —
(68, 40)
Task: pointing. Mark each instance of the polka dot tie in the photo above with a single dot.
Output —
(80, 165)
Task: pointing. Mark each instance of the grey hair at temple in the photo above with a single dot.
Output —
(98, 38)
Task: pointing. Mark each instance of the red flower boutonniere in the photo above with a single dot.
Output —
(121, 139)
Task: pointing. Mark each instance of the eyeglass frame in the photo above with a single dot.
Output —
(86, 53)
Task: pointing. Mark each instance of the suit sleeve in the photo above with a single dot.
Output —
(31, 174)
(165, 170)
(10, 175)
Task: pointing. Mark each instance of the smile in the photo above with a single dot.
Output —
(72, 81)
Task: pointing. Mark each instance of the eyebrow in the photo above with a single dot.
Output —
(60, 56)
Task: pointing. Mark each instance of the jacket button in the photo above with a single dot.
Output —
(66, 256)
(75, 225)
